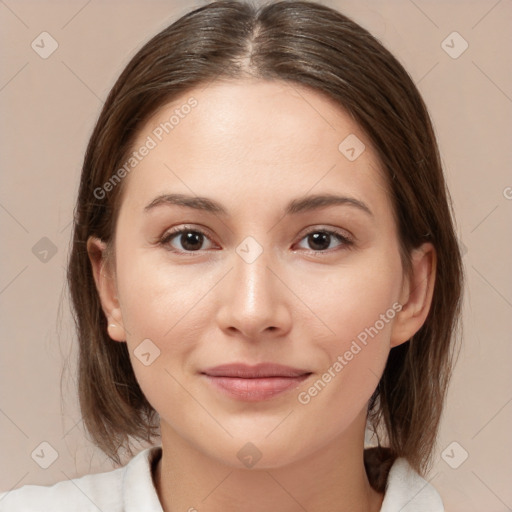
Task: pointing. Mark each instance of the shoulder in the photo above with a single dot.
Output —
(407, 491)
(110, 491)
(89, 492)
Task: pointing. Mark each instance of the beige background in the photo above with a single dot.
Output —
(49, 107)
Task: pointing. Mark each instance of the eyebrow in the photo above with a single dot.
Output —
(299, 205)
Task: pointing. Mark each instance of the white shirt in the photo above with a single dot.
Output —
(130, 489)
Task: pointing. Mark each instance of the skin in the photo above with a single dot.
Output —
(253, 146)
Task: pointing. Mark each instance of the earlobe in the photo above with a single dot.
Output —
(106, 287)
(417, 293)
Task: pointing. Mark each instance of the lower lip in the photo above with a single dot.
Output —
(254, 390)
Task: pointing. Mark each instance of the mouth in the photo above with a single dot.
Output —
(254, 383)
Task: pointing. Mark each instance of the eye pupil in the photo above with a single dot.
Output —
(191, 240)
(321, 239)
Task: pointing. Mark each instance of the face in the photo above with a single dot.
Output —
(256, 273)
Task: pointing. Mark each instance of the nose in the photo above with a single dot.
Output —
(255, 301)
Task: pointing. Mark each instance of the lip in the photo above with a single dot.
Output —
(261, 370)
(254, 382)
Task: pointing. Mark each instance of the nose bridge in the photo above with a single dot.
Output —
(254, 301)
(254, 284)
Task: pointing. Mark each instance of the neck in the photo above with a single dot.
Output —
(333, 479)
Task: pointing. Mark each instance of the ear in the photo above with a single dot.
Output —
(416, 296)
(104, 278)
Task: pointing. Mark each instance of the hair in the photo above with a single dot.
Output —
(306, 44)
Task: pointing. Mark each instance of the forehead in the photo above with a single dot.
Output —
(253, 139)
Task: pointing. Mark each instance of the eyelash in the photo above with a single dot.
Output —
(346, 242)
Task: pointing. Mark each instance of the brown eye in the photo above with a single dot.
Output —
(320, 240)
(188, 240)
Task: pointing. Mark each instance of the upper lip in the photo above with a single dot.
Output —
(261, 370)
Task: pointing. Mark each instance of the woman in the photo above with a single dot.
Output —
(264, 266)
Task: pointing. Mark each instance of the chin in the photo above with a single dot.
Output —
(258, 453)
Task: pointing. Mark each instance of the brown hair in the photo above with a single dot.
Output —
(315, 46)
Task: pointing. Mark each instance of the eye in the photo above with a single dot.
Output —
(190, 239)
(319, 240)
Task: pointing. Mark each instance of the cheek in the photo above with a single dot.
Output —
(164, 317)
(158, 314)
(358, 313)
(155, 297)
(342, 388)
(355, 299)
